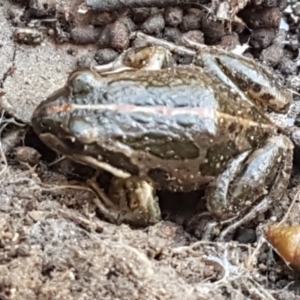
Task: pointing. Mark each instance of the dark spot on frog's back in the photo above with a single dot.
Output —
(256, 87)
(232, 127)
(267, 97)
(164, 147)
(256, 138)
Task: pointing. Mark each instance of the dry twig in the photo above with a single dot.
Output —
(159, 42)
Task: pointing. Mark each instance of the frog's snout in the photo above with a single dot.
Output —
(45, 110)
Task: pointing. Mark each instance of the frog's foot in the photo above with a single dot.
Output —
(131, 200)
(259, 177)
(213, 228)
(261, 207)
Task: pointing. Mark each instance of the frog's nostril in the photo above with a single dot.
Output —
(44, 124)
(40, 125)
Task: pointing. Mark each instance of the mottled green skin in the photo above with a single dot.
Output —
(180, 128)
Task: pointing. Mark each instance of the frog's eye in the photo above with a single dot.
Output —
(82, 82)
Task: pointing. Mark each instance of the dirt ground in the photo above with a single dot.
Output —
(53, 245)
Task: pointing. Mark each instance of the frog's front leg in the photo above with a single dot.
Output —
(250, 178)
(130, 200)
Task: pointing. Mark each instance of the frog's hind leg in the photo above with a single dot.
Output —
(256, 179)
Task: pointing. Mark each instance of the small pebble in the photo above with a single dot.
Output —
(140, 15)
(280, 38)
(262, 38)
(51, 32)
(129, 24)
(84, 35)
(213, 30)
(293, 82)
(154, 24)
(229, 41)
(190, 21)
(106, 55)
(287, 66)
(172, 34)
(267, 17)
(104, 38)
(173, 16)
(119, 36)
(27, 155)
(272, 55)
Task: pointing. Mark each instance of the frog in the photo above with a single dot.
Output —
(157, 126)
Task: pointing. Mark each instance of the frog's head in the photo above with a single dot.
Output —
(55, 119)
(43, 118)
(57, 107)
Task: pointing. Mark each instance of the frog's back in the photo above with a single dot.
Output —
(182, 86)
(178, 100)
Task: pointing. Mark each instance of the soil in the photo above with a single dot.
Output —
(53, 244)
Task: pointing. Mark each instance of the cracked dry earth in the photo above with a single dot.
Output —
(54, 246)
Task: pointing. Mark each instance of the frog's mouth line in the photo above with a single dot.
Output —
(60, 147)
